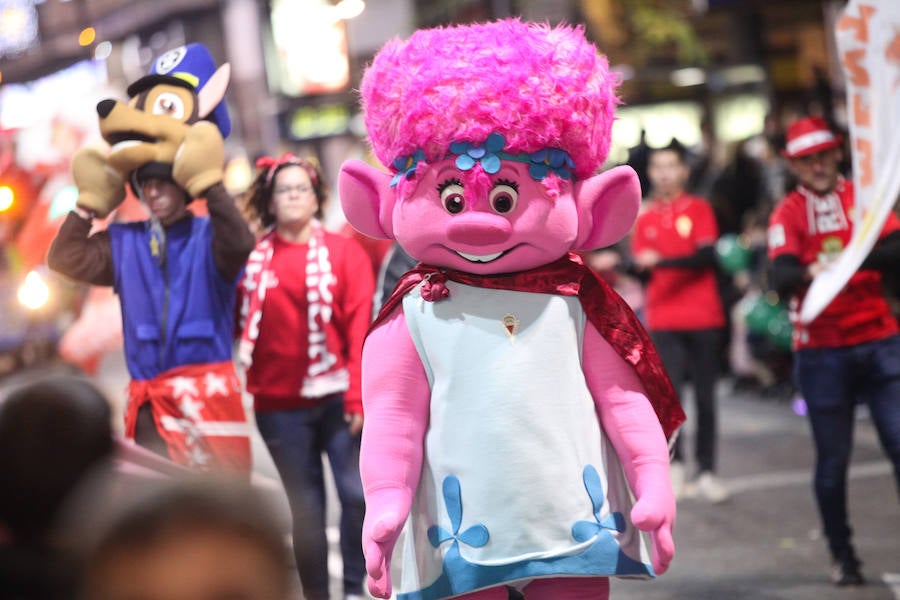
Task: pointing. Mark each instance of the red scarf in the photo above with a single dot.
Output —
(605, 309)
(257, 278)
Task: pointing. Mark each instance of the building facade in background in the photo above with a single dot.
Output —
(691, 68)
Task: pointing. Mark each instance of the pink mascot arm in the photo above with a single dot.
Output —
(396, 403)
(635, 432)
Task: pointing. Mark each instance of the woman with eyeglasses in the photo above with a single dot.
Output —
(306, 304)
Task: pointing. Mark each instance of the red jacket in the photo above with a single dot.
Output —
(280, 356)
(807, 225)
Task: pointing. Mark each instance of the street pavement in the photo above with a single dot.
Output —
(763, 543)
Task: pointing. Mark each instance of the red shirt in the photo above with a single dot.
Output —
(679, 298)
(807, 225)
(280, 357)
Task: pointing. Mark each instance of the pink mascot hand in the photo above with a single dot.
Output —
(654, 512)
(386, 512)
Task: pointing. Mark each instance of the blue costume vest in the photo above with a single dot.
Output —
(177, 314)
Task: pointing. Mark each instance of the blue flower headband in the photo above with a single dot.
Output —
(489, 155)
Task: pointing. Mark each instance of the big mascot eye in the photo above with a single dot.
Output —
(170, 105)
(453, 197)
(503, 197)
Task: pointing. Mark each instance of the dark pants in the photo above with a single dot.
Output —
(832, 381)
(695, 353)
(296, 440)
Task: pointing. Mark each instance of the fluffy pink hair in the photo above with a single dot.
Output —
(540, 87)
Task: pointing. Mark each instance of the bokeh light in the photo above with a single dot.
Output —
(7, 197)
(87, 36)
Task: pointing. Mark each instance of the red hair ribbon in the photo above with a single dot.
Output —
(272, 164)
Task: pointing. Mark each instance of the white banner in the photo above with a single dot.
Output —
(868, 41)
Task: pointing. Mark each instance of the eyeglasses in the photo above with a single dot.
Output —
(283, 190)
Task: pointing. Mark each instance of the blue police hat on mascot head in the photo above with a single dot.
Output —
(188, 66)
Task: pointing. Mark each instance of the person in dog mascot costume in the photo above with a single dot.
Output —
(175, 274)
(513, 402)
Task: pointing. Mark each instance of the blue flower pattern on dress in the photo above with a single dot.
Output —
(551, 160)
(488, 155)
(583, 531)
(602, 554)
(475, 536)
(406, 166)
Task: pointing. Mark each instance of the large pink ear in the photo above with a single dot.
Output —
(213, 91)
(367, 198)
(608, 205)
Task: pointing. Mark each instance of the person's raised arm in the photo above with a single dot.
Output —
(81, 256)
(74, 252)
(232, 240)
(199, 168)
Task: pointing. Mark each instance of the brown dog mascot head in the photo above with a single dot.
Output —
(183, 87)
(178, 108)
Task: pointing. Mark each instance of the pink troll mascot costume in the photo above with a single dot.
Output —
(513, 402)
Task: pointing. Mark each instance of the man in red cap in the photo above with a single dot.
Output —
(851, 351)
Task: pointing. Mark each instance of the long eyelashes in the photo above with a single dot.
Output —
(444, 185)
(507, 182)
(453, 181)
(502, 197)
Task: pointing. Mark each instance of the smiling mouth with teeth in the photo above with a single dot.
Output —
(480, 258)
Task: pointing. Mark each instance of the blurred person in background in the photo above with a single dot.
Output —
(637, 160)
(54, 434)
(22, 187)
(851, 351)
(673, 247)
(615, 265)
(760, 353)
(306, 304)
(175, 274)
(740, 189)
(189, 540)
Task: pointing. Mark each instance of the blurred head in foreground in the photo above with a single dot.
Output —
(53, 433)
(190, 540)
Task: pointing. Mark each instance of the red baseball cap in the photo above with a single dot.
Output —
(809, 135)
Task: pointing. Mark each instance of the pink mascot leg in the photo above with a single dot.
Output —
(568, 588)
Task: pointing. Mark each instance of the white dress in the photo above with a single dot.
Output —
(519, 480)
